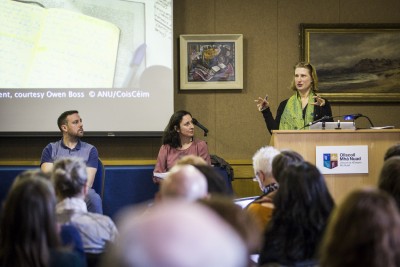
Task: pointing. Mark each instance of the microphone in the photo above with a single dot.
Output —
(324, 118)
(198, 124)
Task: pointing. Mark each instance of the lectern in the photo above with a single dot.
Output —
(306, 141)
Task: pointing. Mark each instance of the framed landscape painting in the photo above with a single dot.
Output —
(211, 61)
(354, 62)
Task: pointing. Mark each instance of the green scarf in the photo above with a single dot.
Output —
(292, 116)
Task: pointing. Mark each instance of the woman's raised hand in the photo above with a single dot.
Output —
(262, 103)
(319, 101)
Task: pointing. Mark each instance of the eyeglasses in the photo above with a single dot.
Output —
(256, 179)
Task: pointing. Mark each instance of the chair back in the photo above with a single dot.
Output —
(98, 183)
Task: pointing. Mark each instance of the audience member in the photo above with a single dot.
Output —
(70, 145)
(392, 151)
(192, 160)
(302, 207)
(216, 184)
(183, 182)
(28, 228)
(262, 166)
(364, 231)
(284, 159)
(176, 234)
(238, 218)
(70, 180)
(179, 141)
(389, 178)
(261, 208)
(70, 236)
(268, 162)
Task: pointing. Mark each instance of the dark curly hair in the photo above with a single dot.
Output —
(171, 136)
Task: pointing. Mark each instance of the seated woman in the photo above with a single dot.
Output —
(363, 231)
(302, 207)
(69, 176)
(28, 227)
(179, 141)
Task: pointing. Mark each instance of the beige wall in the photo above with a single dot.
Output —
(271, 46)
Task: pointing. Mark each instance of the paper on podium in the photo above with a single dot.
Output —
(161, 175)
(382, 127)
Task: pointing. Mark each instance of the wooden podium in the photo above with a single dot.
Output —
(305, 142)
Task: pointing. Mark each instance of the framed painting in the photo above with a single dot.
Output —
(354, 62)
(209, 62)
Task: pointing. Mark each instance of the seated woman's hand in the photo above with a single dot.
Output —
(262, 103)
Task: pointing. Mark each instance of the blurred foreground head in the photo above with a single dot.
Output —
(364, 230)
(176, 234)
(184, 182)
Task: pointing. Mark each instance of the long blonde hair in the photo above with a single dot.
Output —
(313, 74)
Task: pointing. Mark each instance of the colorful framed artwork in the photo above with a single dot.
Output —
(210, 62)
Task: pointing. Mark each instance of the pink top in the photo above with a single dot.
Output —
(167, 156)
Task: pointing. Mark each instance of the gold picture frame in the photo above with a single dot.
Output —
(354, 62)
(211, 61)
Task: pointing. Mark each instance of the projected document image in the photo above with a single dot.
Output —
(109, 59)
(80, 44)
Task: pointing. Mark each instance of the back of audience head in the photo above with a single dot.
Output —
(69, 177)
(364, 230)
(238, 218)
(302, 208)
(28, 223)
(262, 165)
(176, 234)
(392, 151)
(192, 160)
(284, 159)
(184, 182)
(389, 178)
(215, 182)
(303, 186)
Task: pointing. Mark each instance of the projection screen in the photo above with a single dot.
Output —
(112, 60)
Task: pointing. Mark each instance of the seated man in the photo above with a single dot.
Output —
(70, 145)
(261, 208)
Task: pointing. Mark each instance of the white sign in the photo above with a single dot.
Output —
(342, 159)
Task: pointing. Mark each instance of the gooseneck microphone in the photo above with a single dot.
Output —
(324, 118)
(198, 124)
